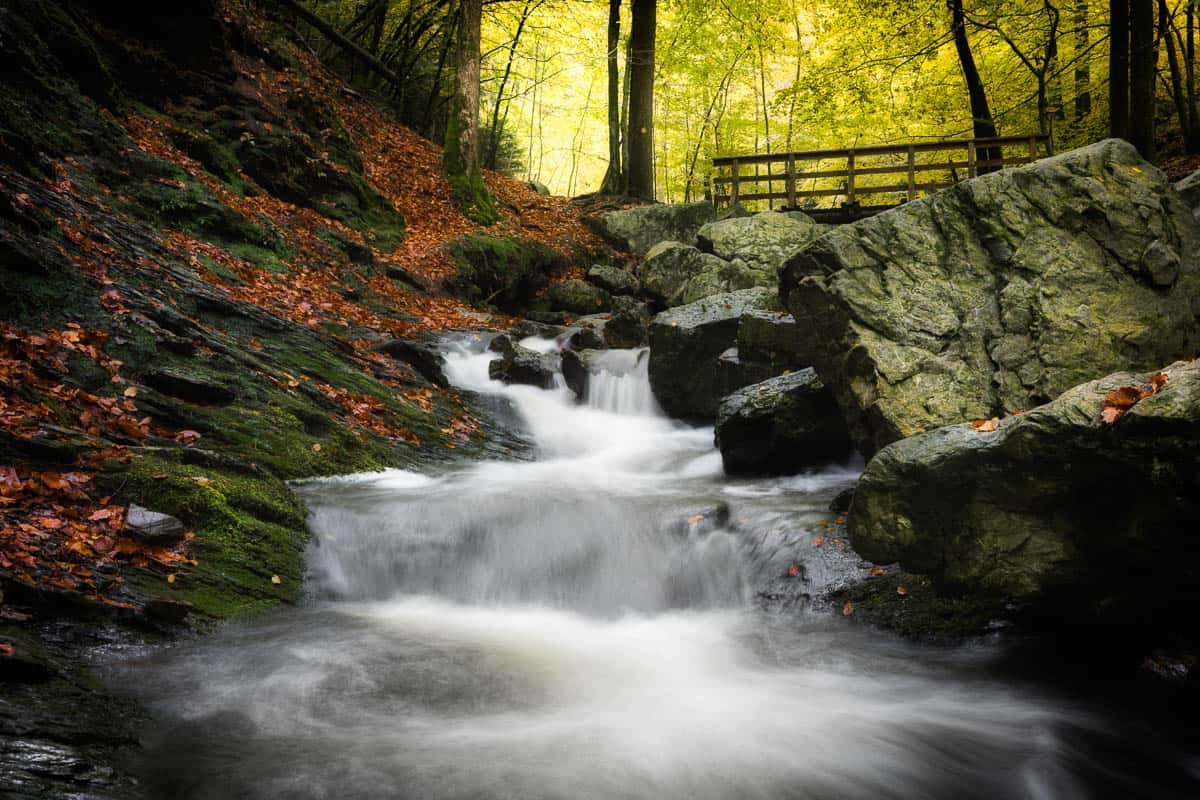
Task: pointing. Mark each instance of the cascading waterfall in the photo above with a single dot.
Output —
(584, 626)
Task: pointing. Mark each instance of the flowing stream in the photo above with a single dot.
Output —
(592, 624)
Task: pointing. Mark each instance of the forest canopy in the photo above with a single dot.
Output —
(734, 76)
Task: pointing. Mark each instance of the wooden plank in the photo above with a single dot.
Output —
(733, 194)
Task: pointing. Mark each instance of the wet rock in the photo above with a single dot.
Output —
(701, 521)
(840, 504)
(764, 241)
(407, 277)
(172, 611)
(577, 367)
(1053, 506)
(772, 337)
(502, 343)
(638, 229)
(685, 343)
(522, 365)
(1000, 293)
(629, 325)
(577, 297)
(734, 372)
(614, 280)
(588, 338)
(192, 388)
(424, 358)
(780, 426)
(529, 327)
(152, 527)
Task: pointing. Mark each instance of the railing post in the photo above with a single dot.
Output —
(1033, 148)
(733, 191)
(850, 177)
(791, 180)
(972, 160)
(912, 172)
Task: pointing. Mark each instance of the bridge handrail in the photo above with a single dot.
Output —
(981, 155)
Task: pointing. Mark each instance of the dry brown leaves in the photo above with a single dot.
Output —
(1120, 400)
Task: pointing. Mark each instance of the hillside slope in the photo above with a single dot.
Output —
(206, 242)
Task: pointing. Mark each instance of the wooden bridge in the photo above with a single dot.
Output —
(802, 180)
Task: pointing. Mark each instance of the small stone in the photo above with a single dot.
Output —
(152, 527)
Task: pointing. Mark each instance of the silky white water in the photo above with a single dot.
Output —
(560, 629)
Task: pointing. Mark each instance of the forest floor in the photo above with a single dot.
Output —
(207, 240)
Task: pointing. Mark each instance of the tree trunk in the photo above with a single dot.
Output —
(1190, 72)
(1142, 73)
(614, 183)
(1166, 33)
(982, 124)
(460, 160)
(1118, 68)
(435, 89)
(1083, 69)
(494, 142)
(641, 100)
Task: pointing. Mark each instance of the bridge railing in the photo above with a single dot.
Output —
(815, 180)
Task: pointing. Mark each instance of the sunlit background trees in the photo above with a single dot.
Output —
(773, 75)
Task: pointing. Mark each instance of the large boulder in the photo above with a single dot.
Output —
(685, 343)
(669, 267)
(772, 337)
(1058, 504)
(501, 270)
(638, 229)
(720, 277)
(577, 297)
(629, 325)
(764, 241)
(1000, 293)
(781, 426)
(524, 366)
(614, 280)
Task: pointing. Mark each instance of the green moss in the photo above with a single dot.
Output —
(261, 257)
(505, 271)
(466, 181)
(248, 529)
(923, 611)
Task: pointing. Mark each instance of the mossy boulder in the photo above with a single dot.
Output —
(503, 271)
(578, 297)
(637, 229)
(780, 426)
(614, 280)
(685, 343)
(772, 337)
(764, 241)
(1000, 293)
(1054, 506)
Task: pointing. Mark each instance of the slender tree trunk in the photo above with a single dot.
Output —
(641, 99)
(1190, 72)
(1177, 89)
(1118, 68)
(1142, 72)
(494, 139)
(982, 124)
(460, 159)
(1083, 69)
(435, 90)
(613, 181)
(762, 83)
(625, 116)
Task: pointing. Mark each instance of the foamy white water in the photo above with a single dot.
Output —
(559, 629)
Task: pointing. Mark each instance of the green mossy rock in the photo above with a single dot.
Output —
(636, 230)
(578, 297)
(614, 280)
(504, 271)
(1000, 293)
(764, 241)
(1054, 506)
